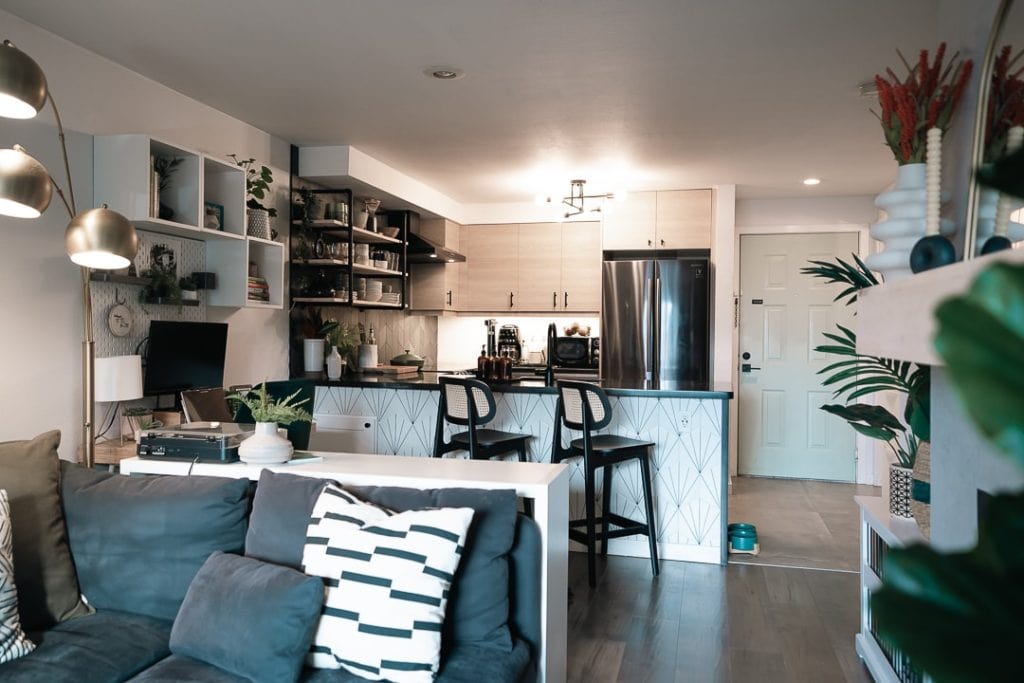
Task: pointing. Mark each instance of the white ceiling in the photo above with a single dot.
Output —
(640, 94)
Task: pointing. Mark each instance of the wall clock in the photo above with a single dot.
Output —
(119, 320)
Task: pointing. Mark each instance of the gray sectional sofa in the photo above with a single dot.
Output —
(137, 544)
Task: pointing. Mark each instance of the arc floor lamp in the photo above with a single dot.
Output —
(96, 238)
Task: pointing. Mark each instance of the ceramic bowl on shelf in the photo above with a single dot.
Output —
(390, 232)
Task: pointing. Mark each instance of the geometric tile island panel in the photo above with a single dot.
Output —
(687, 460)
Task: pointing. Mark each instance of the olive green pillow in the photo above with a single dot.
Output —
(43, 570)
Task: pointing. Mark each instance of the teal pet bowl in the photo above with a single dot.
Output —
(741, 526)
(743, 539)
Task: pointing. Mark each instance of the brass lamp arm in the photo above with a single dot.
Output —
(70, 205)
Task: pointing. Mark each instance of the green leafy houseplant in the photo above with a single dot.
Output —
(857, 375)
(163, 286)
(265, 409)
(340, 335)
(257, 183)
(958, 616)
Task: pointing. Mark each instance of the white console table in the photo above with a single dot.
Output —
(547, 485)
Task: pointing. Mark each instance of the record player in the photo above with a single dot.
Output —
(195, 441)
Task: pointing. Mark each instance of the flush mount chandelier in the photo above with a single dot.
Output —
(577, 199)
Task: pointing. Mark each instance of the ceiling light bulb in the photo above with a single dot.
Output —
(812, 181)
(541, 199)
(620, 195)
(433, 256)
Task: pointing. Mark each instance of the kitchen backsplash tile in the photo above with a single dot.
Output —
(396, 331)
(459, 339)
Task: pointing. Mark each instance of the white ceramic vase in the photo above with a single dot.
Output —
(903, 226)
(334, 364)
(988, 202)
(313, 355)
(266, 446)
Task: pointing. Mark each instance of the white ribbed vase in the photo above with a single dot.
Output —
(266, 446)
(904, 207)
(988, 201)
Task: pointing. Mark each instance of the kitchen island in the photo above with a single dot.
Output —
(689, 462)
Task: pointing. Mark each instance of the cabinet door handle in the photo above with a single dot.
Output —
(567, 299)
(554, 299)
(449, 297)
(650, 243)
(663, 243)
(511, 299)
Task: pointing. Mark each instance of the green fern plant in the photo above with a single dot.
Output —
(857, 375)
(265, 409)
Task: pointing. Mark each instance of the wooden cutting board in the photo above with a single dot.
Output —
(390, 370)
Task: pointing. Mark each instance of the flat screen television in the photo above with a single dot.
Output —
(184, 355)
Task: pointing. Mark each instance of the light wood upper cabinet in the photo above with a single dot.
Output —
(679, 219)
(491, 273)
(540, 267)
(684, 219)
(581, 267)
(435, 286)
(631, 223)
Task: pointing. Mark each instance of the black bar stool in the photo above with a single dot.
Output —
(457, 395)
(584, 407)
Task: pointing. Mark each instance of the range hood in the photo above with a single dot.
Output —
(423, 250)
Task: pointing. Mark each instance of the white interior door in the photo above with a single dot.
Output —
(783, 314)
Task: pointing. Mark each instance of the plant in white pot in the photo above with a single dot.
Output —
(342, 339)
(257, 187)
(267, 446)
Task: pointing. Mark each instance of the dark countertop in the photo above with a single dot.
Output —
(427, 380)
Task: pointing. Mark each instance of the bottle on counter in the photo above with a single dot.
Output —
(505, 363)
(491, 366)
(481, 363)
(372, 340)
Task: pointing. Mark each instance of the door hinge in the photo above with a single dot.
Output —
(736, 312)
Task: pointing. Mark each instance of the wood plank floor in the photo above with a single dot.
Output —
(738, 623)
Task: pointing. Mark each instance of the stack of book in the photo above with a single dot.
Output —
(259, 290)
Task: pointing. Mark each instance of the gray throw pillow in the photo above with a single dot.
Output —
(280, 515)
(43, 569)
(248, 617)
(139, 541)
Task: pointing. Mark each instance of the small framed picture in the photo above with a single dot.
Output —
(213, 217)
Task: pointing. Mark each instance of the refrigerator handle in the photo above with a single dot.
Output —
(656, 327)
(649, 320)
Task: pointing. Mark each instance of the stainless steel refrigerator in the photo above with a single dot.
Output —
(655, 322)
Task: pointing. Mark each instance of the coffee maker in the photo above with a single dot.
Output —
(509, 342)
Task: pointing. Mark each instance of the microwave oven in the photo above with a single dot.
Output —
(574, 352)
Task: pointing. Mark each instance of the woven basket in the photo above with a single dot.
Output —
(920, 489)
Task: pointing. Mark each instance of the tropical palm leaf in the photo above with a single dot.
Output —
(856, 277)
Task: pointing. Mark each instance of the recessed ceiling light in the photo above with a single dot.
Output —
(444, 73)
(812, 181)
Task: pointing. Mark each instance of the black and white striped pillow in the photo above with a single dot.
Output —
(13, 643)
(386, 579)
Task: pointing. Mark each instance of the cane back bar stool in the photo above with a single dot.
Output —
(469, 403)
(584, 407)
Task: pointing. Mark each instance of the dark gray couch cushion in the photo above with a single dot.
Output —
(43, 571)
(249, 617)
(106, 647)
(478, 606)
(178, 668)
(139, 541)
(280, 514)
(464, 664)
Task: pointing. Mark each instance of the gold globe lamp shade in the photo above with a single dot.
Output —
(101, 239)
(24, 84)
(25, 186)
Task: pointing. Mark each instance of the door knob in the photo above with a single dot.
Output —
(746, 355)
(747, 367)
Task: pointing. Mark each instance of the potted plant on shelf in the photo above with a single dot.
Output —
(163, 288)
(164, 168)
(342, 339)
(189, 289)
(257, 186)
(312, 340)
(857, 375)
(267, 446)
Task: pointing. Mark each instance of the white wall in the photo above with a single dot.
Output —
(40, 302)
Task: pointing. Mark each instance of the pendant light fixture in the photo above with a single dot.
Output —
(577, 199)
(96, 238)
